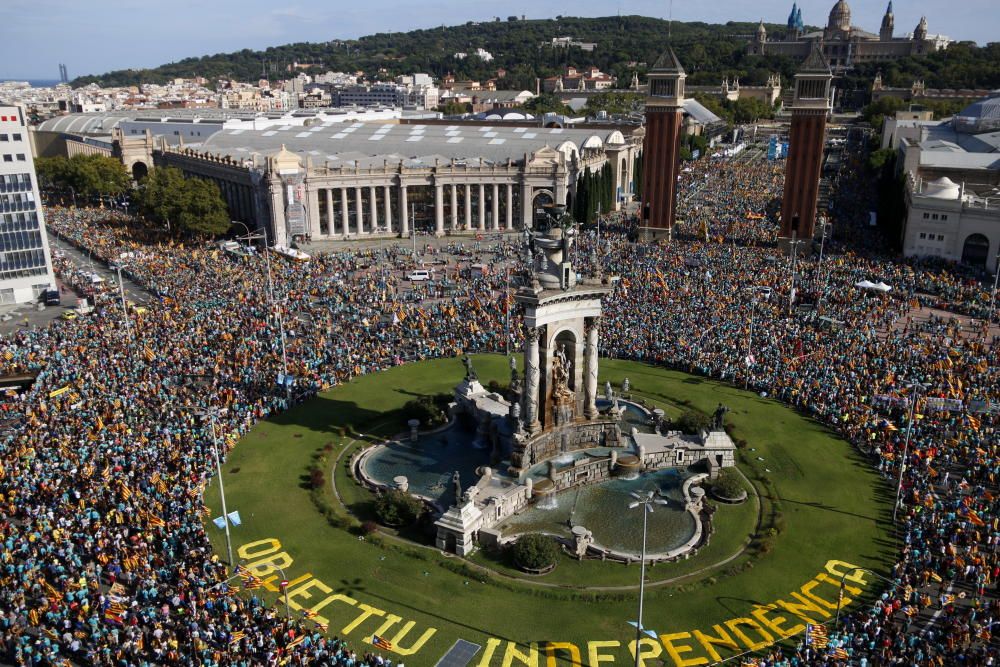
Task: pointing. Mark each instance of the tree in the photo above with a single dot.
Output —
(614, 103)
(876, 112)
(692, 421)
(547, 103)
(190, 204)
(535, 551)
(453, 108)
(87, 175)
(396, 508)
(728, 484)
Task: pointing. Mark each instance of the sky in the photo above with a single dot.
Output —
(96, 36)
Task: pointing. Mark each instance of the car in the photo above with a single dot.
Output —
(419, 275)
(69, 315)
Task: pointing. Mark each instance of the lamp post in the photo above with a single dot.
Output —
(993, 294)
(840, 597)
(274, 305)
(645, 500)
(819, 266)
(121, 290)
(747, 360)
(915, 387)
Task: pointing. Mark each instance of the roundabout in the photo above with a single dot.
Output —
(772, 564)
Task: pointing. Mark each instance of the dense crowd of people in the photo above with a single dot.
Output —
(105, 560)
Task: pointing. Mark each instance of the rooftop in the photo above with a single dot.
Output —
(366, 145)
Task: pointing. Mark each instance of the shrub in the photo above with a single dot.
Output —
(535, 551)
(728, 484)
(693, 422)
(395, 508)
(430, 410)
(368, 527)
(316, 479)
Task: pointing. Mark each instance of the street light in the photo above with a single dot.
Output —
(915, 387)
(121, 289)
(211, 413)
(840, 597)
(276, 311)
(646, 500)
(993, 294)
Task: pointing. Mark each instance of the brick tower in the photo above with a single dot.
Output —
(805, 148)
(662, 145)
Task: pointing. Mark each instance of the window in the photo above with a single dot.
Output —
(934, 217)
(944, 217)
(20, 157)
(927, 216)
(7, 157)
(940, 237)
(16, 136)
(3, 137)
(923, 235)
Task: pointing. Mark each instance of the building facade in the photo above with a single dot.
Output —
(25, 263)
(844, 45)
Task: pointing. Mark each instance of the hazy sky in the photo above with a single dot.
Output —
(95, 36)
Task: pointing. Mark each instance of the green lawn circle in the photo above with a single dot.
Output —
(816, 500)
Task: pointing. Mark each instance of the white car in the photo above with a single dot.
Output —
(418, 276)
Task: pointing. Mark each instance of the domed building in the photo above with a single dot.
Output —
(845, 45)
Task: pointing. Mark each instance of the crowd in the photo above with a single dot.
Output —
(105, 560)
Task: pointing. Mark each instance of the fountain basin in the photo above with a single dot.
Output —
(602, 509)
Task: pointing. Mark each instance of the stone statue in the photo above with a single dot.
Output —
(470, 373)
(515, 379)
(719, 417)
(608, 393)
(456, 480)
(626, 386)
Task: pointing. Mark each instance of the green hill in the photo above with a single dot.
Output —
(625, 45)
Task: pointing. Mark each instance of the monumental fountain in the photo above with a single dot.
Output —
(556, 434)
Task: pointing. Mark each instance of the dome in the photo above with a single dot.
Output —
(942, 188)
(981, 116)
(840, 16)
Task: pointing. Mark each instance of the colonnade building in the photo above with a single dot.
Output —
(341, 181)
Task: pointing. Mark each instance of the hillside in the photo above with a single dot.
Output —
(625, 45)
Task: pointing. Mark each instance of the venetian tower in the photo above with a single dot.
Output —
(662, 145)
(806, 139)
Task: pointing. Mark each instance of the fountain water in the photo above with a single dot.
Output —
(549, 502)
(629, 476)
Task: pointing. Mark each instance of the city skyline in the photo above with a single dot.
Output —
(118, 27)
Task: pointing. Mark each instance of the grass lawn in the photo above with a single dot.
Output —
(823, 502)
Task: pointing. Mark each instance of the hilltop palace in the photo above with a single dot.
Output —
(844, 45)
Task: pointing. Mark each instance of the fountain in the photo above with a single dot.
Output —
(509, 468)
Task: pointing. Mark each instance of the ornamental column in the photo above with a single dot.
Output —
(404, 212)
(468, 207)
(482, 208)
(510, 207)
(330, 219)
(531, 373)
(496, 207)
(454, 207)
(357, 210)
(345, 215)
(591, 328)
(438, 209)
(373, 207)
(387, 192)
